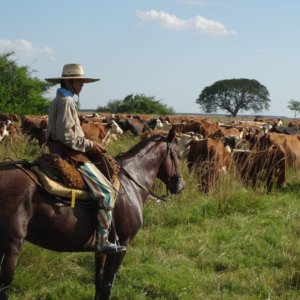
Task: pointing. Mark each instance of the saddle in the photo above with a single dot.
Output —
(58, 189)
(61, 177)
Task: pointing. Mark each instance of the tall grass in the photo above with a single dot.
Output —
(235, 243)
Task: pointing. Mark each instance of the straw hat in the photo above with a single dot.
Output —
(72, 71)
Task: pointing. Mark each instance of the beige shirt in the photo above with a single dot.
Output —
(64, 124)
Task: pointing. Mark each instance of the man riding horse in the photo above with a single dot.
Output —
(66, 139)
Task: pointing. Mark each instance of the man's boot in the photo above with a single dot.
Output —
(103, 246)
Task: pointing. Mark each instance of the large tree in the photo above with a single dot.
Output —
(138, 103)
(295, 106)
(234, 95)
(20, 92)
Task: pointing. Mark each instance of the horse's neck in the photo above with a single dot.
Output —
(144, 166)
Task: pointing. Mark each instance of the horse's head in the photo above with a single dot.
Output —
(169, 171)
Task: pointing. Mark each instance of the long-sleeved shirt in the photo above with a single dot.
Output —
(64, 124)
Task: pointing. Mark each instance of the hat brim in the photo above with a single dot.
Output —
(59, 79)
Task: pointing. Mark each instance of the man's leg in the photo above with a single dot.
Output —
(103, 191)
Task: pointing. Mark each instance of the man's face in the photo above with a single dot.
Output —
(75, 85)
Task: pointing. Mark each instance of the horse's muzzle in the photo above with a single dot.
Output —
(176, 184)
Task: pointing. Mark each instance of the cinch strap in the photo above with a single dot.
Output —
(73, 198)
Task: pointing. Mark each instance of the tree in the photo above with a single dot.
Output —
(137, 104)
(20, 93)
(113, 106)
(295, 106)
(234, 95)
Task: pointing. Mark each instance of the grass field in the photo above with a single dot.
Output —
(233, 244)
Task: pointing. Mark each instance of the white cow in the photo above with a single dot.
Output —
(3, 131)
(112, 133)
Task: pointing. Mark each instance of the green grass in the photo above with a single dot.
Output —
(235, 243)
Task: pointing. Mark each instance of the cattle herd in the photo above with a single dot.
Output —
(259, 151)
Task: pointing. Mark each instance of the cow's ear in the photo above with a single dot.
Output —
(171, 134)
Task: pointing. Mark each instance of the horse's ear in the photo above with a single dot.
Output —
(172, 134)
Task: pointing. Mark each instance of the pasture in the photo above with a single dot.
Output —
(235, 243)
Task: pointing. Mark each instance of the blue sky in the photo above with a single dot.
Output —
(169, 49)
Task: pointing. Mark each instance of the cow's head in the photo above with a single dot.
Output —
(116, 129)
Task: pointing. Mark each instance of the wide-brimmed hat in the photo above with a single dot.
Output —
(72, 71)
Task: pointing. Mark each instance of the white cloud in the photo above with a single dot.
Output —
(25, 48)
(172, 22)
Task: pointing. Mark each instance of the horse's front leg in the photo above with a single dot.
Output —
(99, 269)
(106, 276)
(8, 264)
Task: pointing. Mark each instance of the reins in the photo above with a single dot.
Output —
(142, 186)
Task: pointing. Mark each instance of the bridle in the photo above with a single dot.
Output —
(176, 175)
(170, 147)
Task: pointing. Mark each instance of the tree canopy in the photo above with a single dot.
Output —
(20, 93)
(295, 106)
(138, 104)
(233, 96)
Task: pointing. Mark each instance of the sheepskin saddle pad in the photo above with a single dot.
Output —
(61, 170)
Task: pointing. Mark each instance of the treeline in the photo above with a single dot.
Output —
(137, 104)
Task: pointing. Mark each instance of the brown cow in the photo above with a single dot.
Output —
(273, 121)
(91, 118)
(8, 132)
(228, 132)
(100, 132)
(35, 127)
(207, 158)
(205, 128)
(9, 117)
(294, 123)
(261, 167)
(289, 144)
(13, 130)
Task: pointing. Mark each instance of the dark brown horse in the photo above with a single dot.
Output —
(27, 212)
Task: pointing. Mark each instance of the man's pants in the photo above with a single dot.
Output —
(103, 191)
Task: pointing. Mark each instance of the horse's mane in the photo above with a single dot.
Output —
(137, 148)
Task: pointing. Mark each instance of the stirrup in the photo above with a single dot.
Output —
(109, 248)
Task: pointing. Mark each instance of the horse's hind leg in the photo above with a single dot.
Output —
(8, 264)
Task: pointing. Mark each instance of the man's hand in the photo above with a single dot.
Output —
(98, 148)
